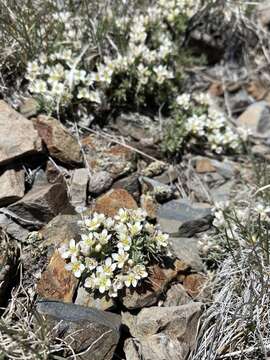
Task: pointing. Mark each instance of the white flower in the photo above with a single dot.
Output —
(91, 282)
(184, 101)
(121, 258)
(104, 74)
(95, 222)
(138, 215)
(162, 73)
(56, 74)
(130, 279)
(76, 267)
(122, 216)
(69, 251)
(39, 87)
(139, 271)
(83, 93)
(134, 229)
(124, 242)
(95, 97)
(161, 239)
(90, 263)
(262, 210)
(219, 220)
(108, 267)
(57, 88)
(87, 243)
(103, 237)
(202, 98)
(103, 283)
(109, 223)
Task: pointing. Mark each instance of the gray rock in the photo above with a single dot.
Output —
(138, 126)
(92, 334)
(40, 205)
(161, 192)
(14, 230)
(18, 136)
(78, 187)
(256, 119)
(162, 333)
(239, 101)
(131, 184)
(99, 182)
(177, 296)
(186, 250)
(88, 299)
(168, 177)
(223, 192)
(183, 218)
(11, 186)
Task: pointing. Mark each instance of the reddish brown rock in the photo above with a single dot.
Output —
(60, 143)
(57, 283)
(11, 186)
(112, 201)
(18, 137)
(194, 284)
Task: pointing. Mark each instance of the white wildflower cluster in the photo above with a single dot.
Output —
(205, 124)
(65, 76)
(113, 253)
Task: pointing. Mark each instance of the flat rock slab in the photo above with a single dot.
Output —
(11, 186)
(93, 334)
(40, 205)
(183, 218)
(14, 230)
(18, 137)
(78, 187)
(256, 119)
(61, 145)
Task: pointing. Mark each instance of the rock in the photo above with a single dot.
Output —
(148, 293)
(222, 194)
(56, 173)
(14, 230)
(87, 299)
(78, 188)
(239, 101)
(131, 184)
(177, 296)
(261, 150)
(186, 250)
(92, 333)
(194, 284)
(57, 283)
(24, 140)
(11, 186)
(263, 13)
(112, 201)
(39, 178)
(168, 177)
(204, 165)
(29, 107)
(99, 182)
(256, 119)
(117, 160)
(184, 218)
(138, 126)
(155, 168)
(225, 168)
(160, 191)
(149, 204)
(60, 229)
(61, 145)
(40, 205)
(163, 333)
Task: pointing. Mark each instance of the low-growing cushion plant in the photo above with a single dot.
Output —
(114, 253)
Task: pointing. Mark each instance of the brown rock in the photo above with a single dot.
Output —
(29, 107)
(131, 184)
(112, 201)
(194, 284)
(256, 119)
(150, 205)
(177, 296)
(257, 90)
(216, 89)
(55, 173)
(41, 204)
(148, 293)
(11, 186)
(18, 136)
(204, 165)
(57, 283)
(61, 145)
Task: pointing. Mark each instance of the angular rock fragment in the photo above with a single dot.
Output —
(99, 182)
(256, 119)
(112, 201)
(40, 205)
(177, 296)
(29, 107)
(88, 299)
(78, 187)
(18, 136)
(92, 334)
(11, 186)
(162, 333)
(61, 145)
(131, 184)
(183, 218)
(14, 230)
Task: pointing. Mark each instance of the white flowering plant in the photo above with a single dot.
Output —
(114, 253)
(196, 124)
(130, 53)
